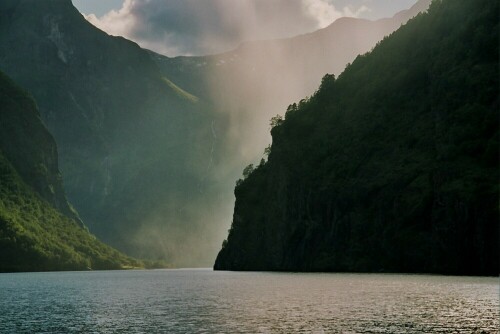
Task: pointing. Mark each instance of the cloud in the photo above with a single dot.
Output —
(324, 12)
(193, 27)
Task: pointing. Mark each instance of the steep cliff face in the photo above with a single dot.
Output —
(29, 146)
(38, 228)
(391, 167)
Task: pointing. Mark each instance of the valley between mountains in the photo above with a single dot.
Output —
(378, 155)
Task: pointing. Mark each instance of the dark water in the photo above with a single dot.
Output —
(203, 301)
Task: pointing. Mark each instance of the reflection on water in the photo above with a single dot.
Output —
(203, 301)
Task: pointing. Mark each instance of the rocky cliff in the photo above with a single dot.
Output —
(391, 167)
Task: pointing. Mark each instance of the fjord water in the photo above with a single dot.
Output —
(204, 301)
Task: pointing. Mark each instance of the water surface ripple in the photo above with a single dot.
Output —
(204, 301)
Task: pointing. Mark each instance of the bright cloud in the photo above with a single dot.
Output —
(324, 12)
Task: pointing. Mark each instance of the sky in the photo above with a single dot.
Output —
(201, 27)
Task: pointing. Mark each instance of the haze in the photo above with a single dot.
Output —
(191, 27)
(246, 87)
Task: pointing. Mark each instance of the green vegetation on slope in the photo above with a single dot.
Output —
(34, 234)
(181, 92)
(391, 167)
(29, 146)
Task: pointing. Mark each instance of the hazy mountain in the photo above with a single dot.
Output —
(135, 148)
(34, 232)
(260, 78)
(391, 167)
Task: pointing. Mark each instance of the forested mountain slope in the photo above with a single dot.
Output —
(391, 167)
(38, 228)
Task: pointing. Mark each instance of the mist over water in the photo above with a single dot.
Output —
(190, 236)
